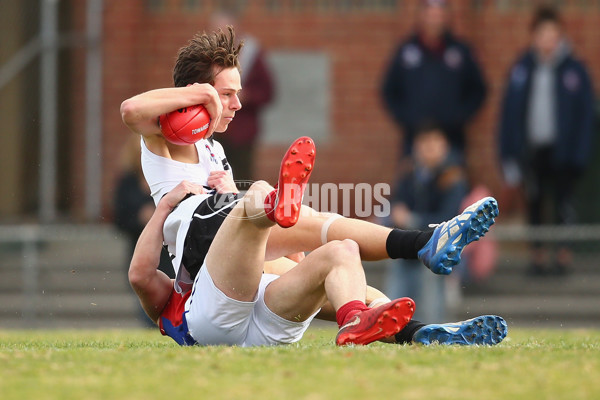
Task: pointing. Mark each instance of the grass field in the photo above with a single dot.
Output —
(140, 364)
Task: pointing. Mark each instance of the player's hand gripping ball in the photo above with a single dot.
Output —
(186, 125)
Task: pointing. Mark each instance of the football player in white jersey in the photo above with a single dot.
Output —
(207, 73)
(233, 302)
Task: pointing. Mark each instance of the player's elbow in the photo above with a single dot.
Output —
(130, 113)
(137, 275)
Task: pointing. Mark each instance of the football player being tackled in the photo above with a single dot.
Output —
(207, 73)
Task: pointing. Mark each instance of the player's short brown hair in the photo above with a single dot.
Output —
(205, 55)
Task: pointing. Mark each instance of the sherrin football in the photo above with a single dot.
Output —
(186, 125)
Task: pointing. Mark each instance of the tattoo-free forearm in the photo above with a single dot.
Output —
(146, 256)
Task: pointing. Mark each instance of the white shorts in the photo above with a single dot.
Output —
(215, 319)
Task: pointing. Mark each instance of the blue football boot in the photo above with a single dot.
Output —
(442, 251)
(484, 330)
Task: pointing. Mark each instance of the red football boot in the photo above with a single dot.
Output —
(376, 323)
(296, 167)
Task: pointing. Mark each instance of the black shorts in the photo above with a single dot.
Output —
(207, 220)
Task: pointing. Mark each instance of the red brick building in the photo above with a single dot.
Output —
(141, 38)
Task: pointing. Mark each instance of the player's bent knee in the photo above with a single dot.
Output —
(258, 190)
(260, 185)
(342, 250)
(351, 246)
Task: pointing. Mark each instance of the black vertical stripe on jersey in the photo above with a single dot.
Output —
(207, 220)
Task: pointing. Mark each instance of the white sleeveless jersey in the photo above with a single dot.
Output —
(163, 174)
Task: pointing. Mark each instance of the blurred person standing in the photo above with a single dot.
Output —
(133, 206)
(545, 131)
(257, 92)
(132, 203)
(433, 75)
(432, 191)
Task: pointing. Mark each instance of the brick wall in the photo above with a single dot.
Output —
(142, 37)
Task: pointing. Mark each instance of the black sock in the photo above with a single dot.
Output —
(407, 333)
(406, 244)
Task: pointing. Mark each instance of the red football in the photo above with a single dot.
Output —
(186, 125)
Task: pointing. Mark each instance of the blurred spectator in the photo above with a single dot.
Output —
(433, 75)
(546, 130)
(431, 192)
(257, 92)
(134, 206)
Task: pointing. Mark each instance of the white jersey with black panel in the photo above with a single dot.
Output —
(163, 174)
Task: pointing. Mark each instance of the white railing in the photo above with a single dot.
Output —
(547, 233)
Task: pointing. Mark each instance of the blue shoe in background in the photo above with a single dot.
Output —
(484, 330)
(442, 251)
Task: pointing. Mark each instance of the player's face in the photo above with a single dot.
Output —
(228, 85)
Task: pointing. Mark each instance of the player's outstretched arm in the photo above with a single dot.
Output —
(140, 113)
(152, 286)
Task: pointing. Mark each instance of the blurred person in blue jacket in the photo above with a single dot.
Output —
(433, 75)
(545, 130)
(431, 191)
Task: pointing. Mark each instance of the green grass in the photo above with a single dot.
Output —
(139, 364)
